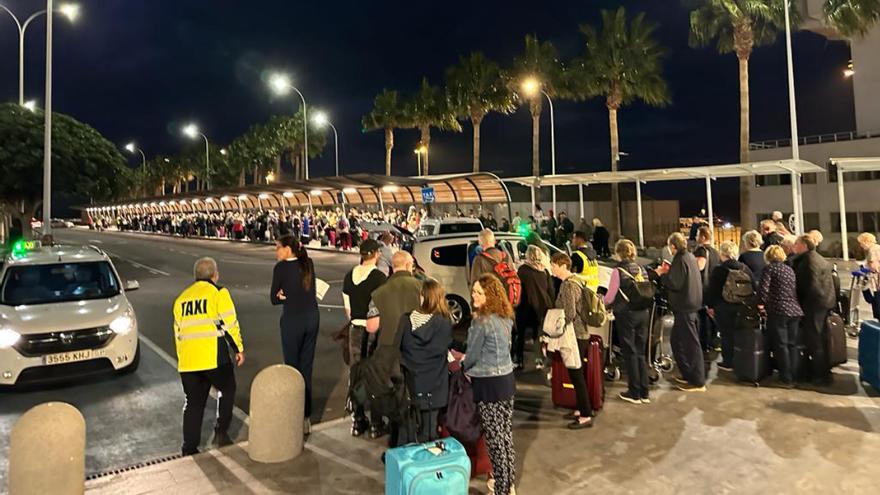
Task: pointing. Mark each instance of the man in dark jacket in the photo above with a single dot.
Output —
(683, 282)
(816, 295)
(708, 259)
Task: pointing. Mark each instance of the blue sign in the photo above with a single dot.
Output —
(428, 195)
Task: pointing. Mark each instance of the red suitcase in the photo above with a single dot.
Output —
(562, 390)
(561, 387)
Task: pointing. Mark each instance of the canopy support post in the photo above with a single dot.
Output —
(639, 213)
(709, 205)
(581, 198)
(841, 201)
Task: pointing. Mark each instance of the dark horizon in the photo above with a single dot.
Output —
(136, 72)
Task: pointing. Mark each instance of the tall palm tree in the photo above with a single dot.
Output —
(477, 86)
(738, 26)
(388, 114)
(429, 108)
(852, 17)
(622, 63)
(539, 60)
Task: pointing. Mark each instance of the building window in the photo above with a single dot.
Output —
(852, 221)
(811, 221)
(869, 221)
(851, 176)
(808, 178)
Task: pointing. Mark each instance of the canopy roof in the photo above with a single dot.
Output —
(860, 164)
(774, 167)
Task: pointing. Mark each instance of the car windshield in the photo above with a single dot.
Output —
(60, 282)
(459, 228)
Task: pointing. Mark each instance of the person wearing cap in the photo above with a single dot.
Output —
(357, 294)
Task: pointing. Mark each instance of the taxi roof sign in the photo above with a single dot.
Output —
(22, 247)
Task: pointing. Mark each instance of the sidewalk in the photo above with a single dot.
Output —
(733, 438)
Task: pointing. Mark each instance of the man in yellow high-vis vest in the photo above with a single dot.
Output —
(584, 262)
(206, 331)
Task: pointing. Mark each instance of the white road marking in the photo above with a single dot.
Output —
(96, 241)
(153, 270)
(371, 473)
(235, 469)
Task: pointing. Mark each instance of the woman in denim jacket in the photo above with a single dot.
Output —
(490, 369)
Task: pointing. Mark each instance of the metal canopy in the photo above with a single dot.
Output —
(860, 164)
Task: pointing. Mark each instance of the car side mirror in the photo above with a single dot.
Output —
(132, 285)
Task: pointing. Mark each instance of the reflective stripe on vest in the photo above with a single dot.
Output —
(200, 335)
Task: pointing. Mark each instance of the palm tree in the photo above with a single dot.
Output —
(429, 108)
(477, 86)
(540, 61)
(388, 114)
(738, 26)
(852, 17)
(621, 64)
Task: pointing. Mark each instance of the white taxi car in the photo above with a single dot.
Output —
(63, 314)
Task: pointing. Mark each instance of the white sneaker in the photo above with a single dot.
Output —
(491, 485)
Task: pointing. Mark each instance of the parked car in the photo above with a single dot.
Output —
(445, 226)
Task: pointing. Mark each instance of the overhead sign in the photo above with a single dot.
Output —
(428, 195)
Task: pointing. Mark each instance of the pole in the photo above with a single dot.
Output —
(552, 148)
(639, 214)
(795, 151)
(709, 205)
(581, 198)
(841, 202)
(305, 135)
(336, 146)
(207, 164)
(20, 65)
(795, 206)
(47, 137)
(419, 158)
(534, 210)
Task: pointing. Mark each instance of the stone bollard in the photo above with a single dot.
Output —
(275, 429)
(47, 451)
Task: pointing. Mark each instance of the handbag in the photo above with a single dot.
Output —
(462, 419)
(554, 323)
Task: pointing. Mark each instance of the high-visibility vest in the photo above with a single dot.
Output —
(204, 314)
(589, 275)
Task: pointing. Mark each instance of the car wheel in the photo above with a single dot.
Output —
(133, 366)
(459, 308)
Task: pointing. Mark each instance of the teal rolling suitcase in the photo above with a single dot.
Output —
(441, 467)
(869, 353)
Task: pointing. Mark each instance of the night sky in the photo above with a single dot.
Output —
(137, 69)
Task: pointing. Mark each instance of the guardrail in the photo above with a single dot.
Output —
(816, 139)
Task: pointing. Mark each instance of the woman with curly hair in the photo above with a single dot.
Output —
(490, 369)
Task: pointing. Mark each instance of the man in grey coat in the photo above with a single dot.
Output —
(684, 284)
(817, 295)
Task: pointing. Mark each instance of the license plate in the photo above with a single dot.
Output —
(68, 357)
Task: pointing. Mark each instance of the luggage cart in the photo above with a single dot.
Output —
(660, 324)
(848, 302)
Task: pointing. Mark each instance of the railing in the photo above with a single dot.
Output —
(817, 139)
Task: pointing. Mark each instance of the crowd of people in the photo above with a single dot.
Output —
(400, 332)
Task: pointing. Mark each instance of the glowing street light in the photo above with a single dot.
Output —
(322, 120)
(421, 150)
(223, 151)
(532, 88)
(192, 131)
(849, 71)
(270, 177)
(69, 10)
(281, 86)
(30, 105)
(132, 148)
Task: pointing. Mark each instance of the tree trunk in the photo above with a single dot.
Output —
(241, 179)
(745, 183)
(278, 167)
(297, 167)
(389, 145)
(614, 226)
(162, 187)
(476, 121)
(426, 142)
(535, 108)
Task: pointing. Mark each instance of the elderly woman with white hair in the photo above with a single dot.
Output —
(538, 295)
(752, 254)
(871, 281)
(725, 312)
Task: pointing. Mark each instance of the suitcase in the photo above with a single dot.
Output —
(562, 390)
(751, 354)
(595, 369)
(477, 453)
(835, 339)
(441, 467)
(869, 353)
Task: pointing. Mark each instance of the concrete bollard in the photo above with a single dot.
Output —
(275, 429)
(47, 451)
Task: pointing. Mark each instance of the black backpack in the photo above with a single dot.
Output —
(373, 386)
(738, 287)
(637, 290)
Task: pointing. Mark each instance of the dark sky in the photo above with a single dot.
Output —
(136, 69)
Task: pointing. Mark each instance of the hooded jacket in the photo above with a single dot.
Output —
(424, 346)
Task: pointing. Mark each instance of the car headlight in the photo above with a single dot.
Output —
(121, 325)
(8, 338)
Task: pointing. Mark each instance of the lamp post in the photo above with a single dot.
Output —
(421, 150)
(69, 10)
(796, 193)
(321, 120)
(192, 131)
(531, 87)
(132, 148)
(281, 85)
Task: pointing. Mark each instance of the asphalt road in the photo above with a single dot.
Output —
(163, 267)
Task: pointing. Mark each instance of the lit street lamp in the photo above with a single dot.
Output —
(192, 131)
(69, 10)
(30, 105)
(281, 85)
(132, 148)
(421, 150)
(531, 87)
(321, 120)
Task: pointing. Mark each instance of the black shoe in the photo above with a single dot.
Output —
(221, 439)
(629, 397)
(725, 366)
(358, 427)
(579, 425)
(572, 416)
(645, 399)
(189, 452)
(377, 432)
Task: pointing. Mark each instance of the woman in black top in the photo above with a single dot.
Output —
(601, 236)
(293, 287)
(538, 295)
(726, 314)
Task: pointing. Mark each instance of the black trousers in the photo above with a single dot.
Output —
(197, 385)
(632, 331)
(813, 332)
(726, 318)
(686, 348)
(579, 381)
(299, 335)
(783, 332)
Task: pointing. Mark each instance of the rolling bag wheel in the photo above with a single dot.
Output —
(666, 364)
(654, 374)
(612, 373)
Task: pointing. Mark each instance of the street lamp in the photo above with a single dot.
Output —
(192, 131)
(281, 85)
(30, 105)
(531, 87)
(796, 193)
(321, 120)
(69, 10)
(421, 150)
(132, 148)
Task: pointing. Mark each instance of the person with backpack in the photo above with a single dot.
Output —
(538, 295)
(631, 296)
(778, 294)
(569, 299)
(707, 259)
(425, 338)
(730, 289)
(494, 261)
(490, 369)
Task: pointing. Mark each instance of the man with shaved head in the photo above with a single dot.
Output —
(397, 297)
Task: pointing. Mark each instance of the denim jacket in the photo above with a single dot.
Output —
(488, 347)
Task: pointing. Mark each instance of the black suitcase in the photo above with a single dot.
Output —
(751, 352)
(835, 339)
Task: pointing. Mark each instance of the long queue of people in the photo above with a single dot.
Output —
(402, 356)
